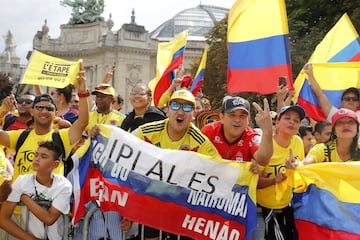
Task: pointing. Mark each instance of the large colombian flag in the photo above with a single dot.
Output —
(258, 46)
(341, 44)
(177, 191)
(327, 201)
(170, 56)
(199, 77)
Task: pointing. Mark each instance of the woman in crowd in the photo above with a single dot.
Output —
(140, 99)
(277, 213)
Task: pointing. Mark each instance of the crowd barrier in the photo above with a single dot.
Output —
(68, 228)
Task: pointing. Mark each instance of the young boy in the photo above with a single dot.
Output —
(44, 186)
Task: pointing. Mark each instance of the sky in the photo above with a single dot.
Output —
(24, 18)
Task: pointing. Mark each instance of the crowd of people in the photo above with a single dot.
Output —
(41, 131)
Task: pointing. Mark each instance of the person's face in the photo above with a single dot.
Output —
(44, 160)
(207, 107)
(289, 123)
(24, 104)
(234, 123)
(139, 98)
(55, 95)
(117, 106)
(307, 141)
(324, 136)
(346, 128)
(103, 102)
(43, 113)
(179, 120)
(350, 101)
(198, 107)
(75, 101)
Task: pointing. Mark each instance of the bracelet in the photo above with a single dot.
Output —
(83, 94)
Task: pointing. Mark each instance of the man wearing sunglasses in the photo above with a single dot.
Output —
(176, 132)
(43, 112)
(15, 114)
(349, 98)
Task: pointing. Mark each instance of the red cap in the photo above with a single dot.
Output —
(342, 113)
(186, 81)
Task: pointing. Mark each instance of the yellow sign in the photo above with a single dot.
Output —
(49, 71)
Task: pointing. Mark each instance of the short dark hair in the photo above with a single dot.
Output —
(303, 130)
(67, 92)
(319, 126)
(44, 98)
(55, 148)
(119, 99)
(350, 90)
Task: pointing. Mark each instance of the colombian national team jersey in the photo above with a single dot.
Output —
(266, 196)
(241, 150)
(320, 153)
(113, 118)
(156, 134)
(26, 153)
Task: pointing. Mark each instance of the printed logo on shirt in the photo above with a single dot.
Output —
(256, 139)
(185, 147)
(240, 143)
(239, 157)
(217, 139)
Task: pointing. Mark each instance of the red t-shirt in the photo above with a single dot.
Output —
(241, 150)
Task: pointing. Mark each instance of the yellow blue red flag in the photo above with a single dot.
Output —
(258, 42)
(199, 77)
(181, 192)
(341, 44)
(327, 201)
(50, 71)
(170, 56)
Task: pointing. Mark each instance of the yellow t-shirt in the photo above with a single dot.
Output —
(113, 118)
(266, 196)
(156, 134)
(320, 153)
(26, 153)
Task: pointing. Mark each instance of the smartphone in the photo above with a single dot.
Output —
(282, 81)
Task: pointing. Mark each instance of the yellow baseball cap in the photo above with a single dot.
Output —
(184, 95)
(104, 88)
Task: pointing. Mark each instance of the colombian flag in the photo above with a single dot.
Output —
(341, 44)
(327, 201)
(199, 77)
(182, 192)
(258, 44)
(170, 56)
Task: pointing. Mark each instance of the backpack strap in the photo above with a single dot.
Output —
(57, 139)
(9, 119)
(21, 139)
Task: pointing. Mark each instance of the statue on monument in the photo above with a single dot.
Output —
(85, 11)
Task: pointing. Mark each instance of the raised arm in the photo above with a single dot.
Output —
(263, 120)
(79, 125)
(324, 101)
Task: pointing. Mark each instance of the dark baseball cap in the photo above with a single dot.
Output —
(295, 108)
(44, 98)
(231, 104)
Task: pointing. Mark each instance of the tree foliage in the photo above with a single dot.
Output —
(309, 21)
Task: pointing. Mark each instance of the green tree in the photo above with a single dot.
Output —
(308, 20)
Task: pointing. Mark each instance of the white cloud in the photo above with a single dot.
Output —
(25, 18)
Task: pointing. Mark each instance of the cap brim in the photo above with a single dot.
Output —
(237, 108)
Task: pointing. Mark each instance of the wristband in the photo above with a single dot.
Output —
(83, 94)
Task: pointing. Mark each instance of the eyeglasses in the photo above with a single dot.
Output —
(350, 99)
(138, 93)
(48, 108)
(186, 107)
(26, 101)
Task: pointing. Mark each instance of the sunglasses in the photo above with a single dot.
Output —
(350, 99)
(26, 101)
(186, 107)
(41, 107)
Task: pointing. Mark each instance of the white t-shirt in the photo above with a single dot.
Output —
(333, 111)
(59, 193)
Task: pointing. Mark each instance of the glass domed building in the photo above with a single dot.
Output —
(198, 21)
